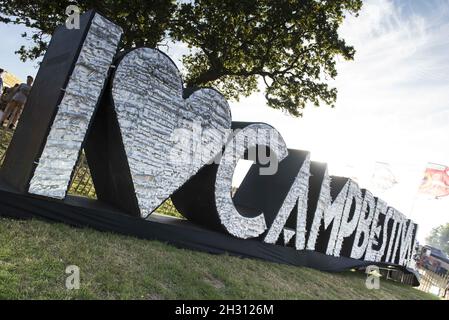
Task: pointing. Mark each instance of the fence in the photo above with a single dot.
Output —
(435, 283)
(397, 276)
(82, 184)
(430, 281)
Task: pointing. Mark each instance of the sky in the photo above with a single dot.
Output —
(392, 110)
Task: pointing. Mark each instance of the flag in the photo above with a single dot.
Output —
(383, 177)
(436, 181)
(10, 80)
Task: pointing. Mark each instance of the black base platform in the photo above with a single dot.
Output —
(83, 212)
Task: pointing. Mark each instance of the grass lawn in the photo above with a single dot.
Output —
(35, 254)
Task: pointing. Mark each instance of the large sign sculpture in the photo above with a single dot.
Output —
(147, 138)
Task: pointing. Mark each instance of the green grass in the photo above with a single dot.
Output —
(34, 255)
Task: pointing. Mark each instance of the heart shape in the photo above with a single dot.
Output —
(155, 121)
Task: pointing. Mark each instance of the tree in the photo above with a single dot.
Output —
(144, 22)
(439, 238)
(289, 47)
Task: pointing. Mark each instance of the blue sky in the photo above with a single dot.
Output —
(11, 41)
(393, 103)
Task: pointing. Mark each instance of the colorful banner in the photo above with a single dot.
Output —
(436, 181)
(9, 80)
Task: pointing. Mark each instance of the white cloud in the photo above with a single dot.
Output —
(393, 104)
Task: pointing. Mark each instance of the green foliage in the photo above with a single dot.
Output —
(439, 238)
(144, 22)
(290, 46)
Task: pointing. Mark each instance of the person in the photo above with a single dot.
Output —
(446, 292)
(7, 96)
(18, 100)
(1, 80)
(3, 99)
